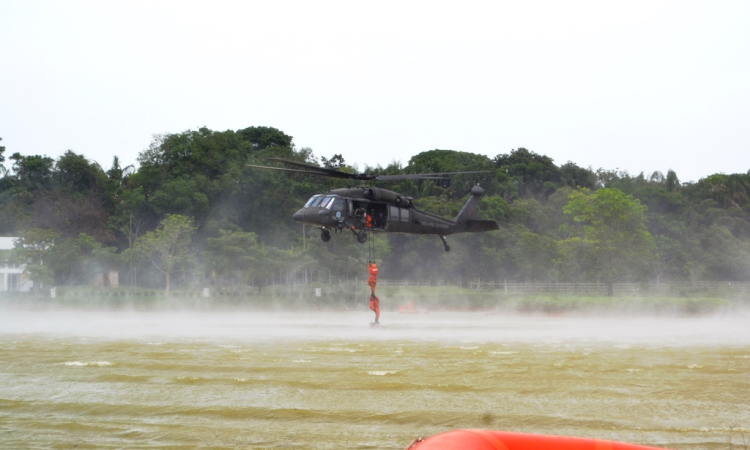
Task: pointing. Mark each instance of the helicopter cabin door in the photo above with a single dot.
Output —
(399, 219)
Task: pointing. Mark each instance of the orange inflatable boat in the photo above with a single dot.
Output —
(410, 309)
(503, 440)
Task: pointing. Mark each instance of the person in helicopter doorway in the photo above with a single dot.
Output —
(375, 306)
(373, 280)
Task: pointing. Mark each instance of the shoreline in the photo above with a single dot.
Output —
(489, 304)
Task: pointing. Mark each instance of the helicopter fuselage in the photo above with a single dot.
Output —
(379, 210)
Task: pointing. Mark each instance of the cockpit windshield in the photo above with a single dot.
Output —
(313, 199)
(321, 201)
(326, 200)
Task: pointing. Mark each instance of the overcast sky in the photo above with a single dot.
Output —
(639, 86)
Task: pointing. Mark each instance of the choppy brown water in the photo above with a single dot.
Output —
(327, 381)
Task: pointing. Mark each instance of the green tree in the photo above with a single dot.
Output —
(168, 248)
(77, 174)
(731, 191)
(575, 176)
(336, 162)
(614, 235)
(529, 174)
(51, 258)
(264, 138)
(128, 219)
(76, 202)
(672, 181)
(95, 259)
(203, 174)
(233, 256)
(34, 172)
(2, 158)
(670, 257)
(182, 196)
(435, 161)
(539, 253)
(34, 249)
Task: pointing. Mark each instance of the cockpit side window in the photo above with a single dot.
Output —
(394, 214)
(312, 199)
(338, 204)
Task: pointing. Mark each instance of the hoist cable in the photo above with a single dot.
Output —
(372, 245)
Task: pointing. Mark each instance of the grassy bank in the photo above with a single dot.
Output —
(430, 298)
(434, 298)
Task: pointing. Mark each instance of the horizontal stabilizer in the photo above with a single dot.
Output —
(475, 226)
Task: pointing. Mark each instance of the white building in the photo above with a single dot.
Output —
(12, 277)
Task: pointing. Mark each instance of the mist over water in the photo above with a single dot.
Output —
(324, 380)
(724, 329)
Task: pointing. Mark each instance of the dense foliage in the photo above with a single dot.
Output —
(192, 213)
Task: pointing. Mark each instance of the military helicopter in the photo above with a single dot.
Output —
(362, 209)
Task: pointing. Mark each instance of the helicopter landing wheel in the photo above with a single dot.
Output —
(447, 248)
(362, 237)
(325, 235)
(445, 243)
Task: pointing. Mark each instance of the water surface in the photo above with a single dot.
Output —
(327, 381)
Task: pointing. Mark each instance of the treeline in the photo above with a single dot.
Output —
(192, 213)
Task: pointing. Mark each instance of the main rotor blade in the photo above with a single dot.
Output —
(331, 172)
(427, 176)
(409, 177)
(323, 170)
(308, 172)
(315, 170)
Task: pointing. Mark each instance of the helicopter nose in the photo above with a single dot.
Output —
(297, 216)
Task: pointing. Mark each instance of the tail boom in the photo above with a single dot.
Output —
(477, 226)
